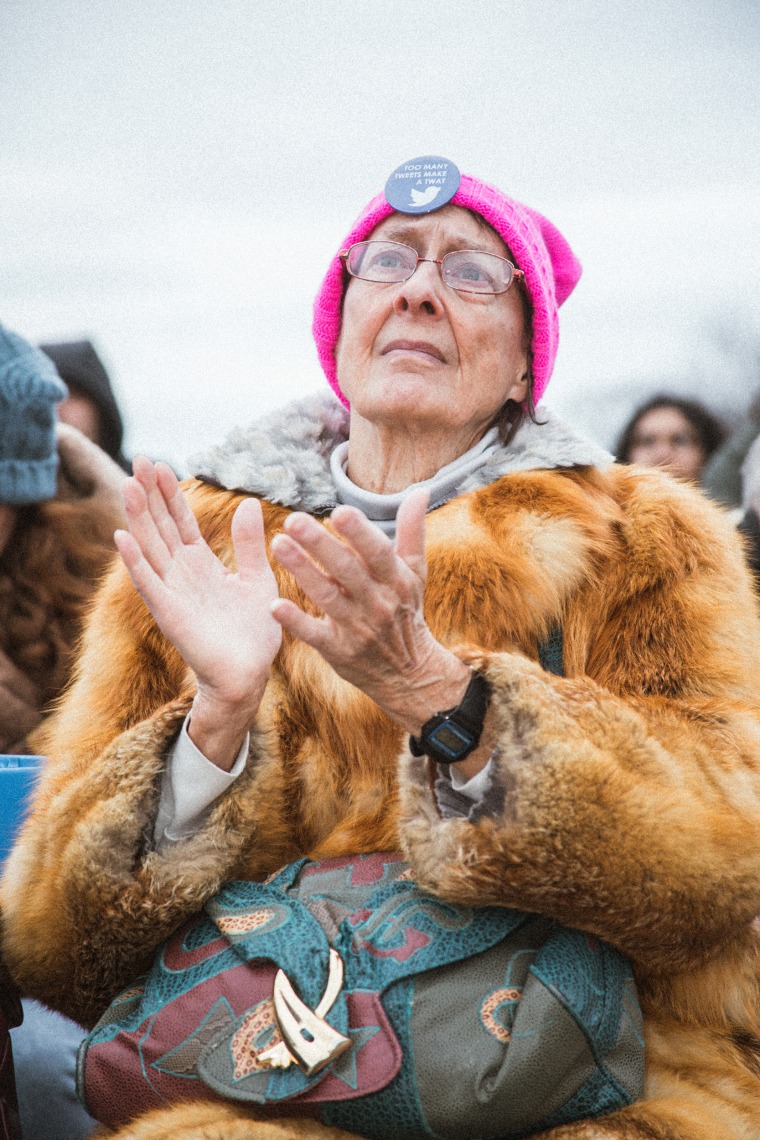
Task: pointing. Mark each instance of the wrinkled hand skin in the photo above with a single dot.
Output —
(628, 791)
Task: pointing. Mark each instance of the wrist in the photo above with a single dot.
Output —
(479, 757)
(442, 686)
(453, 734)
(218, 728)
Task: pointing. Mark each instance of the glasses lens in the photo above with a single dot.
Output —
(381, 261)
(471, 271)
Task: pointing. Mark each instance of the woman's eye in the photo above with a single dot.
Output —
(387, 260)
(390, 262)
(471, 271)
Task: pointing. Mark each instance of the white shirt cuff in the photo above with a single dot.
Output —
(475, 788)
(190, 786)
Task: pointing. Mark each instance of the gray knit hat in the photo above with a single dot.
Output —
(29, 390)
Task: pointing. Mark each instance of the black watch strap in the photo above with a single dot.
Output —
(452, 735)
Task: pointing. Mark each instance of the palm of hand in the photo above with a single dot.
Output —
(219, 620)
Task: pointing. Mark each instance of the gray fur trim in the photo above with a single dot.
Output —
(285, 457)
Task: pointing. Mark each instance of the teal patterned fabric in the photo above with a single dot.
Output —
(464, 1023)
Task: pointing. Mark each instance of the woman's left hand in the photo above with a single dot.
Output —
(370, 591)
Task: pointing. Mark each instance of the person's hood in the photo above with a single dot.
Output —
(285, 456)
(80, 367)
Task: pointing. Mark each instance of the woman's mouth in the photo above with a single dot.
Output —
(422, 348)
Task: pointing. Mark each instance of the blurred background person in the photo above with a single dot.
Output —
(722, 477)
(750, 522)
(677, 434)
(60, 501)
(90, 404)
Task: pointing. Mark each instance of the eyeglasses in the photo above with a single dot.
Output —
(466, 270)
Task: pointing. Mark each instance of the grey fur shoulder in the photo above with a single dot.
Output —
(285, 456)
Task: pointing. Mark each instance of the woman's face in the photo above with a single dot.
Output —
(80, 412)
(663, 437)
(419, 353)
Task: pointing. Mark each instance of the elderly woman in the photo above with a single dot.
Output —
(352, 591)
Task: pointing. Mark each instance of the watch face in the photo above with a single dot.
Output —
(451, 739)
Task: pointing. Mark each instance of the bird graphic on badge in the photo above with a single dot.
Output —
(422, 197)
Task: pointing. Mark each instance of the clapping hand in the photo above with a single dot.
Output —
(370, 591)
(227, 626)
(220, 621)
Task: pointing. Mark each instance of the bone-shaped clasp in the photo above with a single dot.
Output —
(306, 1038)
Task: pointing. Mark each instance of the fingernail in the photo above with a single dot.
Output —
(296, 522)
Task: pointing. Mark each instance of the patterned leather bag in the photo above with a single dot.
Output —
(407, 1016)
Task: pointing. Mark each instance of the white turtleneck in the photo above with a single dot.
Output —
(382, 509)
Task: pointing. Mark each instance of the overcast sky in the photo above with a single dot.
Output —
(174, 177)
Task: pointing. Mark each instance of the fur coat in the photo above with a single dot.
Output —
(628, 791)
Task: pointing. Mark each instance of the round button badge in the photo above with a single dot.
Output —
(422, 185)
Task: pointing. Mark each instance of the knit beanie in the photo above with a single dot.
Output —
(551, 272)
(29, 390)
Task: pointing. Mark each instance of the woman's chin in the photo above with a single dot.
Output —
(403, 394)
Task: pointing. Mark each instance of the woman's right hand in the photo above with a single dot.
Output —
(219, 621)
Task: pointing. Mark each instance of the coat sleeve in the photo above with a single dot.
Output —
(85, 896)
(625, 798)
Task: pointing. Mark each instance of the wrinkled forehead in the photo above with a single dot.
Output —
(452, 227)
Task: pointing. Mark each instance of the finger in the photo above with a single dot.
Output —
(337, 559)
(147, 475)
(358, 563)
(322, 589)
(177, 504)
(143, 528)
(368, 542)
(312, 630)
(147, 583)
(410, 531)
(248, 540)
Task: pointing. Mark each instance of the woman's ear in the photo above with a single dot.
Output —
(519, 388)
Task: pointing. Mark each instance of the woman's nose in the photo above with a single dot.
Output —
(422, 291)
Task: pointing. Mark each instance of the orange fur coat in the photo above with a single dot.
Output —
(631, 803)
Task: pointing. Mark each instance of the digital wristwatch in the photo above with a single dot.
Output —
(452, 735)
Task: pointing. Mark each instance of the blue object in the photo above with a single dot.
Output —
(422, 185)
(30, 388)
(17, 778)
(45, 1049)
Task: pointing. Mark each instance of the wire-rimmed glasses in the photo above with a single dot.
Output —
(466, 270)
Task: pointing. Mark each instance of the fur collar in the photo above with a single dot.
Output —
(285, 457)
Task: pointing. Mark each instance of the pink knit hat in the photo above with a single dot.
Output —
(551, 272)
